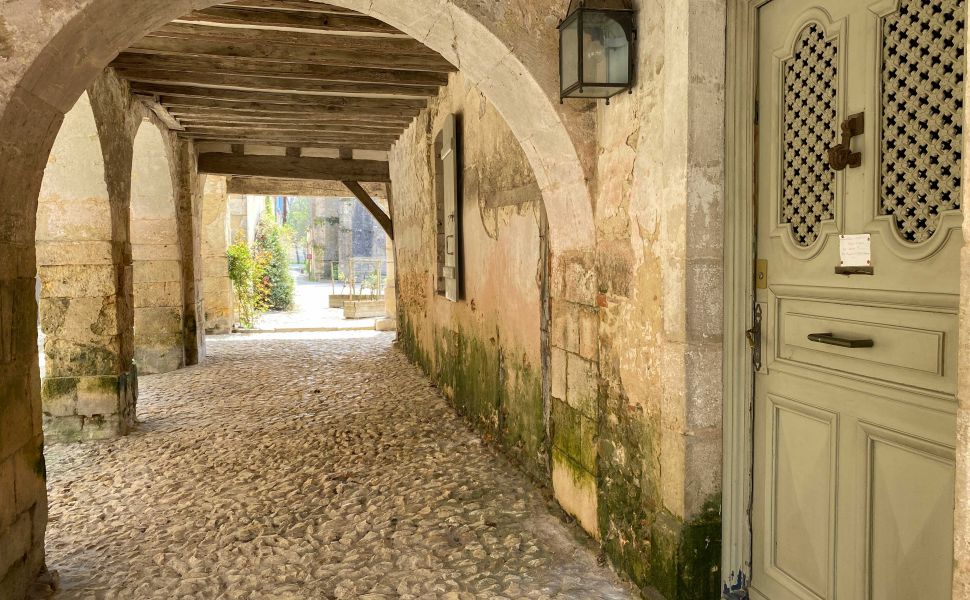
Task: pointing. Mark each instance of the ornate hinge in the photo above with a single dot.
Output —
(754, 338)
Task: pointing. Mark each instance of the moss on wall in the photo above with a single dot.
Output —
(500, 395)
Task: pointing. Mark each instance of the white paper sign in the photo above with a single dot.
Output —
(855, 250)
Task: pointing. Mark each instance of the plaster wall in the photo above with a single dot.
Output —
(484, 351)
(155, 251)
(217, 287)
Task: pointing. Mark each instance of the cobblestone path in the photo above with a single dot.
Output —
(305, 466)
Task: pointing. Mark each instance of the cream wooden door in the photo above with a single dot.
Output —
(854, 443)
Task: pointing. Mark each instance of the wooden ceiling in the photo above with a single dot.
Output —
(290, 73)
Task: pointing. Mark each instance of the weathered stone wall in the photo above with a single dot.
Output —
(633, 421)
(85, 268)
(217, 287)
(483, 351)
(324, 237)
(188, 206)
(155, 250)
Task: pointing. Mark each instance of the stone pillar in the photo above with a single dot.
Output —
(389, 323)
(189, 216)
(325, 233)
(88, 392)
(217, 288)
(155, 252)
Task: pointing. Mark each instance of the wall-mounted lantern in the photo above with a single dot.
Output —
(596, 49)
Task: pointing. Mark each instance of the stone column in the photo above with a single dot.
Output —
(389, 323)
(84, 281)
(155, 252)
(217, 288)
(189, 215)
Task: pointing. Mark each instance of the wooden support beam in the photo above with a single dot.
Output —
(271, 186)
(291, 5)
(288, 54)
(126, 62)
(294, 125)
(186, 117)
(295, 134)
(361, 44)
(276, 84)
(236, 140)
(176, 104)
(289, 167)
(404, 106)
(279, 18)
(328, 128)
(162, 113)
(376, 211)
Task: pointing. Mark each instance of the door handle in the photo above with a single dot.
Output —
(841, 155)
(831, 340)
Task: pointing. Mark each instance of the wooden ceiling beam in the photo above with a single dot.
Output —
(292, 167)
(192, 125)
(176, 104)
(274, 84)
(169, 46)
(229, 140)
(364, 44)
(197, 121)
(406, 106)
(188, 114)
(372, 207)
(297, 19)
(286, 134)
(126, 62)
(291, 5)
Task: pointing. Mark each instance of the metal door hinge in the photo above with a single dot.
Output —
(754, 338)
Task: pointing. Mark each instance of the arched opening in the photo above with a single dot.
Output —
(47, 84)
(157, 267)
(79, 288)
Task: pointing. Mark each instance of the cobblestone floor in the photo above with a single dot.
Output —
(305, 466)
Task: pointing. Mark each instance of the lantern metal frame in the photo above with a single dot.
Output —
(575, 12)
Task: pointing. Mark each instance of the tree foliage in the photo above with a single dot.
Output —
(247, 271)
(272, 240)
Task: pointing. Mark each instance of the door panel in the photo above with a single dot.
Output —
(853, 467)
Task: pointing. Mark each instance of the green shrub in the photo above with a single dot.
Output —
(247, 273)
(271, 240)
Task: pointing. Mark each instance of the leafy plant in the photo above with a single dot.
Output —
(271, 240)
(247, 273)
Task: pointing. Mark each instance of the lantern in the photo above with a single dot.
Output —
(596, 49)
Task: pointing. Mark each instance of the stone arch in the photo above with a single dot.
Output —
(157, 268)
(79, 293)
(48, 63)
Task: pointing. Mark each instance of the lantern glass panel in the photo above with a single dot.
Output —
(606, 53)
(569, 53)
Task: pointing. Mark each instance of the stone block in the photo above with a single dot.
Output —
(143, 252)
(362, 309)
(574, 435)
(8, 501)
(704, 279)
(558, 375)
(704, 386)
(74, 219)
(159, 359)
(69, 359)
(168, 293)
(77, 281)
(78, 320)
(581, 385)
(15, 418)
(97, 396)
(154, 232)
(588, 327)
(63, 429)
(74, 253)
(154, 271)
(575, 490)
(15, 542)
(30, 485)
(155, 323)
(216, 267)
(60, 396)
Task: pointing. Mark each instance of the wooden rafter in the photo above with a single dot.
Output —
(372, 207)
(284, 18)
(292, 167)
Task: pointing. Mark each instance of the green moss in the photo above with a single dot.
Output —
(574, 435)
(56, 387)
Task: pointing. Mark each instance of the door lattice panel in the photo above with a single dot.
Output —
(808, 184)
(922, 127)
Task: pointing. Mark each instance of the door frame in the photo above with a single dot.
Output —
(740, 221)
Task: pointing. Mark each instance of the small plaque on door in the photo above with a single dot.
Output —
(855, 250)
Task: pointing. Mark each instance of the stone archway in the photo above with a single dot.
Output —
(53, 52)
(157, 268)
